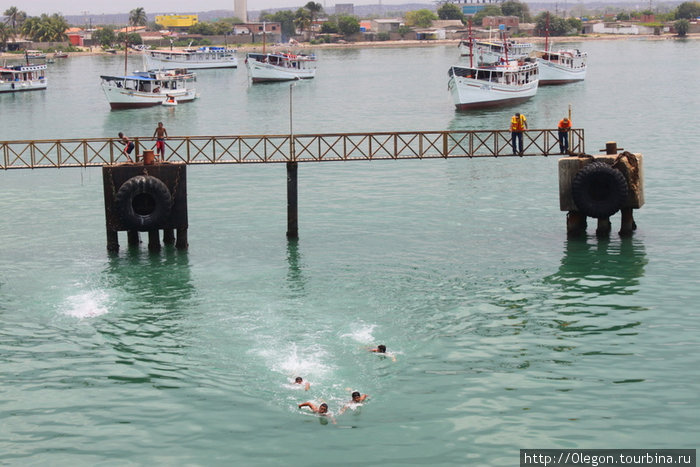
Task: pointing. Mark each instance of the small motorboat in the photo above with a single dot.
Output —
(170, 100)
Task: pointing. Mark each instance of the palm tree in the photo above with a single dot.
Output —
(5, 34)
(314, 8)
(302, 19)
(14, 19)
(137, 17)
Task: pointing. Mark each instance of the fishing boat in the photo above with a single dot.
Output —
(488, 52)
(22, 78)
(268, 67)
(475, 87)
(149, 88)
(59, 54)
(201, 58)
(507, 82)
(34, 55)
(561, 67)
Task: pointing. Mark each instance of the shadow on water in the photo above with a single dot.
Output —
(600, 267)
(159, 279)
(150, 335)
(295, 277)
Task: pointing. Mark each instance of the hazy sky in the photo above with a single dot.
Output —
(77, 7)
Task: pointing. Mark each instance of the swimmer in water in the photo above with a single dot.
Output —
(381, 348)
(300, 380)
(357, 398)
(321, 409)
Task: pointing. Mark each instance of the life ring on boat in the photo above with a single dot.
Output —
(599, 190)
(143, 203)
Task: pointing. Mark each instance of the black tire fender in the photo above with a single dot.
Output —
(599, 190)
(143, 203)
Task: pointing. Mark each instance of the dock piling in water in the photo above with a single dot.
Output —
(146, 198)
(599, 186)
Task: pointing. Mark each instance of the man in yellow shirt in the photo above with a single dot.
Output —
(518, 124)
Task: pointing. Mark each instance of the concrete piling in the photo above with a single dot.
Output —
(617, 183)
(146, 198)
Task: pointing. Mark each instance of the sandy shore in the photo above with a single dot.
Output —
(409, 43)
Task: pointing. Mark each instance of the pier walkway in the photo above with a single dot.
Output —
(246, 149)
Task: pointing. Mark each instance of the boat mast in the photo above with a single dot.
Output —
(126, 51)
(471, 45)
(505, 45)
(546, 34)
(263, 37)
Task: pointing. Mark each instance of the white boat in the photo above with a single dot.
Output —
(148, 88)
(562, 66)
(22, 78)
(265, 67)
(475, 87)
(488, 52)
(34, 55)
(203, 57)
(170, 101)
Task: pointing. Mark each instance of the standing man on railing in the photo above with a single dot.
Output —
(564, 127)
(160, 134)
(518, 124)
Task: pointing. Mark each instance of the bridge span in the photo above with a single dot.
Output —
(247, 149)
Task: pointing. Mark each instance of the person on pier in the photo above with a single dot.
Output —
(518, 124)
(160, 134)
(128, 145)
(564, 127)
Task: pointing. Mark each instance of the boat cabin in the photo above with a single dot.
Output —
(520, 74)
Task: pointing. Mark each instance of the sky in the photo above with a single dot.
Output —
(94, 7)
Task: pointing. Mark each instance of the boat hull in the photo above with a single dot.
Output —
(265, 72)
(120, 98)
(157, 64)
(554, 73)
(19, 86)
(469, 93)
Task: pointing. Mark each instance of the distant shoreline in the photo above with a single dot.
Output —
(404, 43)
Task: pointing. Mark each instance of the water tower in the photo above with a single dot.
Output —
(240, 10)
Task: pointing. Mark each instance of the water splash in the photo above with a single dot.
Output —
(86, 305)
(362, 333)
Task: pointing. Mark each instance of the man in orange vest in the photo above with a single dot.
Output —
(518, 124)
(564, 127)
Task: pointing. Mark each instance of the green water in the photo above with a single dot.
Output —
(506, 334)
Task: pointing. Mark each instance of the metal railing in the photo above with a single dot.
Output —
(95, 152)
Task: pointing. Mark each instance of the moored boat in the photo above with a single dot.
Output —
(59, 54)
(267, 67)
(475, 87)
(562, 66)
(488, 52)
(22, 78)
(201, 58)
(34, 55)
(149, 88)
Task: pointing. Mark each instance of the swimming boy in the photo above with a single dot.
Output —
(357, 398)
(321, 409)
(381, 348)
(300, 380)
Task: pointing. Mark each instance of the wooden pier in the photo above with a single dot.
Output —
(143, 196)
(255, 149)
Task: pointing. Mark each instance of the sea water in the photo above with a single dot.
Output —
(507, 335)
